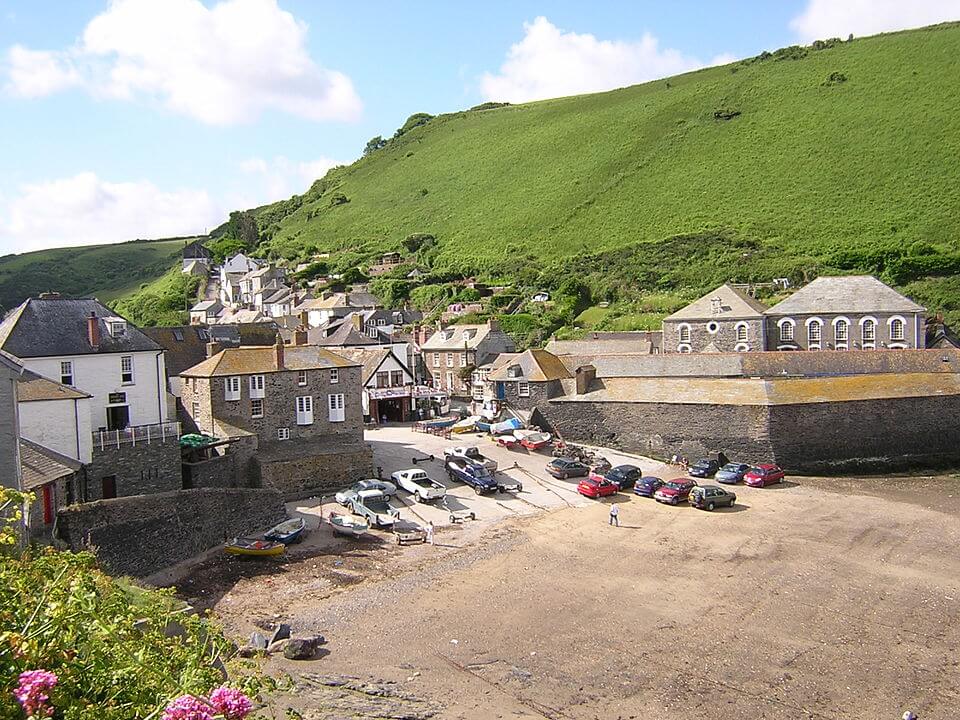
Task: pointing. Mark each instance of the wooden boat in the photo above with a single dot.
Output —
(287, 532)
(507, 426)
(348, 525)
(251, 547)
(439, 422)
(507, 441)
(532, 439)
(466, 425)
(483, 426)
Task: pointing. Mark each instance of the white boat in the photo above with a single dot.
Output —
(532, 439)
(348, 525)
(467, 424)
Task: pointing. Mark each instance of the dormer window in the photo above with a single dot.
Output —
(118, 328)
(514, 371)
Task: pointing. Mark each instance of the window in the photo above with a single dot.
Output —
(869, 331)
(523, 389)
(256, 408)
(256, 386)
(305, 410)
(396, 378)
(126, 370)
(196, 410)
(449, 381)
(334, 376)
(203, 334)
(449, 359)
(786, 330)
(233, 388)
(683, 349)
(283, 433)
(841, 330)
(372, 332)
(302, 378)
(381, 321)
(814, 333)
(178, 335)
(383, 379)
(436, 359)
(335, 407)
(743, 332)
(897, 327)
(683, 334)
(463, 360)
(712, 328)
(66, 372)
(118, 329)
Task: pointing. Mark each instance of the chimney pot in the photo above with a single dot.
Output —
(300, 335)
(93, 330)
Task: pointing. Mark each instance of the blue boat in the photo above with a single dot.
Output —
(287, 532)
(483, 426)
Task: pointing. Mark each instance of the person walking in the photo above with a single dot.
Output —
(615, 515)
(430, 532)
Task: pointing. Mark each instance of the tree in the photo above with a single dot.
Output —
(374, 144)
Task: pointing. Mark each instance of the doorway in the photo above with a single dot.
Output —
(108, 487)
(118, 417)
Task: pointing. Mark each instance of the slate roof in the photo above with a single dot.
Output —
(345, 335)
(734, 305)
(183, 345)
(406, 317)
(854, 294)
(535, 365)
(40, 465)
(257, 360)
(457, 337)
(609, 343)
(236, 334)
(52, 327)
(206, 305)
(32, 387)
(369, 357)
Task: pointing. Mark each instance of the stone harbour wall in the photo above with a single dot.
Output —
(297, 472)
(139, 469)
(143, 534)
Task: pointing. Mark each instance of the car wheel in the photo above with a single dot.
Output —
(674, 501)
(478, 490)
(564, 476)
(416, 496)
(710, 506)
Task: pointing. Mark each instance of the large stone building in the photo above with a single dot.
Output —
(724, 320)
(451, 354)
(299, 404)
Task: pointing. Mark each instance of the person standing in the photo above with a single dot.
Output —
(430, 532)
(615, 515)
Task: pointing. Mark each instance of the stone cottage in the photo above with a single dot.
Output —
(529, 379)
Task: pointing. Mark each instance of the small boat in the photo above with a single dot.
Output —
(507, 441)
(348, 525)
(251, 547)
(466, 425)
(507, 426)
(439, 422)
(532, 439)
(483, 426)
(287, 532)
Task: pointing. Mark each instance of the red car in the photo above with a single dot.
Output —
(675, 491)
(763, 475)
(596, 488)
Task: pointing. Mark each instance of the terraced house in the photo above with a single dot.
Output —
(451, 354)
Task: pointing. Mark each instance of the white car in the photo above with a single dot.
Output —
(419, 484)
(471, 453)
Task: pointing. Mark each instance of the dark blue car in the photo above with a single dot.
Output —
(732, 473)
(647, 486)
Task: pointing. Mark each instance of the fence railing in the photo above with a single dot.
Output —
(137, 435)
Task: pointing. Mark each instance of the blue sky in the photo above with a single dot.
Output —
(145, 118)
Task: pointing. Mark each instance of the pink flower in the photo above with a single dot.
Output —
(230, 703)
(187, 707)
(31, 692)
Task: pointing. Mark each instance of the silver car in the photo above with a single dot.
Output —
(347, 494)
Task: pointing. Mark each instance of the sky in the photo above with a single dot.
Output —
(152, 118)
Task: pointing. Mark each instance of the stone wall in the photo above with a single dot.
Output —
(914, 330)
(300, 470)
(141, 535)
(139, 469)
(724, 337)
(540, 392)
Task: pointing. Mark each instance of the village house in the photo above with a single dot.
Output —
(854, 312)
(529, 379)
(328, 306)
(55, 416)
(300, 405)
(205, 312)
(723, 320)
(482, 390)
(389, 392)
(195, 253)
(253, 283)
(10, 371)
(451, 354)
(387, 262)
(232, 271)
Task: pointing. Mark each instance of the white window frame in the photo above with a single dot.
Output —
(257, 387)
(684, 349)
(335, 407)
(66, 372)
(304, 409)
(523, 389)
(449, 359)
(231, 387)
(449, 380)
(871, 322)
(253, 407)
(334, 376)
(741, 347)
(713, 327)
(814, 343)
(436, 360)
(744, 336)
(683, 334)
(903, 328)
(786, 336)
(126, 361)
(283, 433)
(196, 409)
(302, 378)
(838, 323)
(118, 329)
(463, 359)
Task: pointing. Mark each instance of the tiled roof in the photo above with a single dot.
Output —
(613, 343)
(51, 327)
(40, 465)
(206, 305)
(370, 357)
(734, 305)
(853, 294)
(457, 337)
(535, 366)
(33, 387)
(257, 360)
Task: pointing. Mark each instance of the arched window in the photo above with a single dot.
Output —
(841, 330)
(683, 349)
(683, 333)
(869, 330)
(786, 330)
(741, 347)
(814, 332)
(897, 329)
(743, 332)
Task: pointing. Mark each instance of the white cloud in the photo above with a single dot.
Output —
(84, 210)
(279, 178)
(823, 19)
(549, 62)
(221, 65)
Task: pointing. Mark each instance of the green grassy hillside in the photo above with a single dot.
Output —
(106, 271)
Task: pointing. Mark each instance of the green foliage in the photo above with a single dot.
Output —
(525, 329)
(489, 106)
(425, 297)
(414, 121)
(313, 270)
(418, 241)
(164, 301)
(353, 275)
(374, 144)
(468, 295)
(393, 293)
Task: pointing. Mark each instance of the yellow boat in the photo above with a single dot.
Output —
(250, 547)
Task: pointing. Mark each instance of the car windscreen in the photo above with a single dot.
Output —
(731, 467)
(675, 485)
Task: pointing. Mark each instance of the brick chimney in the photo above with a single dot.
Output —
(279, 350)
(357, 320)
(300, 335)
(93, 330)
(213, 348)
(493, 324)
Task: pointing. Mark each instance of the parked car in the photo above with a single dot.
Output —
(624, 476)
(387, 488)
(647, 485)
(564, 468)
(594, 488)
(708, 497)
(472, 473)
(763, 475)
(704, 468)
(471, 453)
(732, 473)
(373, 507)
(419, 484)
(675, 491)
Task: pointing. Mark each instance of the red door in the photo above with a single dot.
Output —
(48, 504)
